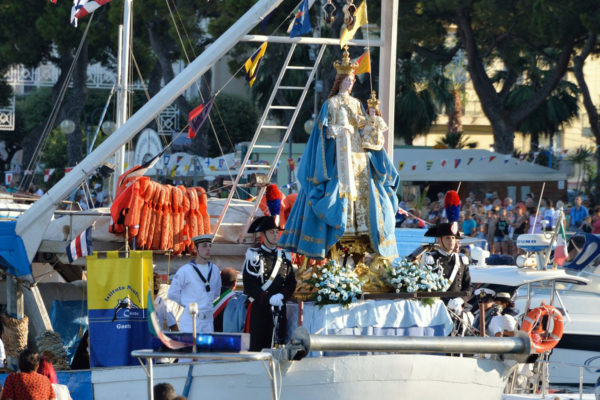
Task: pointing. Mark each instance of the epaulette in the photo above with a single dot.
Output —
(427, 259)
(253, 256)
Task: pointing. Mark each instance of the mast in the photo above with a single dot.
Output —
(32, 225)
(123, 79)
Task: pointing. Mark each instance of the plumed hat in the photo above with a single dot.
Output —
(262, 224)
(274, 197)
(452, 205)
(444, 229)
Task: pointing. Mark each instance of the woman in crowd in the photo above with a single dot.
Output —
(47, 369)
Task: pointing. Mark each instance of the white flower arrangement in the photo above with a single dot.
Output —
(335, 285)
(409, 277)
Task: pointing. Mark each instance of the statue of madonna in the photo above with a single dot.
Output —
(347, 181)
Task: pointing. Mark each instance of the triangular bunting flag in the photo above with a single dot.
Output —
(364, 64)
(253, 63)
(198, 116)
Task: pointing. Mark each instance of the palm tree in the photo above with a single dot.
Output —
(421, 94)
(584, 159)
(455, 140)
(559, 108)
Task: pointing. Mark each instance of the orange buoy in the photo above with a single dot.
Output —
(542, 340)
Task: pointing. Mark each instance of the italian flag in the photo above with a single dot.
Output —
(560, 253)
(220, 303)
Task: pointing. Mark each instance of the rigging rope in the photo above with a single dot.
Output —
(53, 114)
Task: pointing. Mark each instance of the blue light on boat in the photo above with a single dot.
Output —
(222, 342)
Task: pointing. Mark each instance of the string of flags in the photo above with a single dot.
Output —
(457, 162)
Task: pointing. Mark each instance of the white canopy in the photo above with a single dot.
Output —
(511, 275)
(415, 164)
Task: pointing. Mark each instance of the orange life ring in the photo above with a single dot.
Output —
(542, 340)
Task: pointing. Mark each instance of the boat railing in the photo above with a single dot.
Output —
(543, 375)
(150, 355)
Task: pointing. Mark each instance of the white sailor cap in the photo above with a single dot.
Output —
(484, 293)
(203, 239)
(503, 295)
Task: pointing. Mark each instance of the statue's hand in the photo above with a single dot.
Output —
(343, 117)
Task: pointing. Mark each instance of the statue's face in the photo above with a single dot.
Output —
(347, 83)
(372, 112)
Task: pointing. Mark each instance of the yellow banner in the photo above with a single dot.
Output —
(113, 279)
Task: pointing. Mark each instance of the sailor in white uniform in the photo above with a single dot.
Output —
(198, 281)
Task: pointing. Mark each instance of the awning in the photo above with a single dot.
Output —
(416, 164)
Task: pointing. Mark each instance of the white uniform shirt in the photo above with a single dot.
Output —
(187, 287)
(165, 317)
(501, 323)
(2, 354)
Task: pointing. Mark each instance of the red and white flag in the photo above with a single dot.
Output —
(81, 246)
(68, 169)
(47, 174)
(8, 178)
(81, 8)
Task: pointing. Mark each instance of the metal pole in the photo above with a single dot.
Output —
(274, 393)
(481, 320)
(123, 79)
(519, 344)
(150, 378)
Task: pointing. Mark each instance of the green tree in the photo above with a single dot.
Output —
(557, 109)
(421, 94)
(231, 124)
(589, 47)
(456, 140)
(512, 36)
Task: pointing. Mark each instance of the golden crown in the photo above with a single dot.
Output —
(373, 102)
(345, 66)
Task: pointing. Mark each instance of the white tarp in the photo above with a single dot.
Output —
(468, 165)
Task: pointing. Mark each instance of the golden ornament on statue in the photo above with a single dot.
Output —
(345, 66)
(373, 102)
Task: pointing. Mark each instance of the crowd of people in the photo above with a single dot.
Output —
(498, 222)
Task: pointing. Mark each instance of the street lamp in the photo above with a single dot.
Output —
(67, 126)
(308, 125)
(108, 127)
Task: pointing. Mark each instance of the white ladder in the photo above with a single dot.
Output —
(261, 126)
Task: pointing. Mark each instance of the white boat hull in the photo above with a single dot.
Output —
(381, 377)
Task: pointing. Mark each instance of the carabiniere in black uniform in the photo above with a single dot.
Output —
(461, 281)
(267, 272)
(454, 266)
